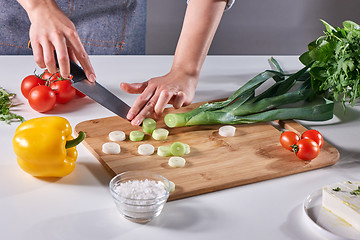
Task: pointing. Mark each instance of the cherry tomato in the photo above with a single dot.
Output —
(314, 135)
(288, 139)
(46, 75)
(306, 149)
(42, 98)
(63, 90)
(29, 82)
(80, 94)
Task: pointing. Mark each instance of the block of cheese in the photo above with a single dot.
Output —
(343, 200)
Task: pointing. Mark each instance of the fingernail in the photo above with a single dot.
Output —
(136, 122)
(92, 78)
(130, 116)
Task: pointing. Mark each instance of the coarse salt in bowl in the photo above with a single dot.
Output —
(139, 195)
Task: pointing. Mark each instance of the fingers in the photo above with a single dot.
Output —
(144, 105)
(145, 112)
(72, 56)
(49, 59)
(133, 88)
(38, 54)
(148, 98)
(164, 98)
(179, 100)
(58, 34)
(43, 52)
(152, 100)
(81, 55)
(62, 57)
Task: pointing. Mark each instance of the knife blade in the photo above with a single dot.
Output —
(96, 91)
(277, 126)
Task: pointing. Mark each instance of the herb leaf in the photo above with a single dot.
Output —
(5, 105)
(336, 70)
(356, 192)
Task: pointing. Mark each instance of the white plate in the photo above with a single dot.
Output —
(325, 222)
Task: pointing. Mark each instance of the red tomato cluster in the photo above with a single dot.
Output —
(44, 91)
(306, 147)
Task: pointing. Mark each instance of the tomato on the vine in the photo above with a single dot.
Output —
(306, 149)
(63, 90)
(314, 135)
(42, 98)
(46, 75)
(30, 82)
(288, 139)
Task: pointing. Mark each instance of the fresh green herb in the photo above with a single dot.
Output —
(337, 189)
(349, 182)
(356, 192)
(336, 68)
(5, 105)
(243, 106)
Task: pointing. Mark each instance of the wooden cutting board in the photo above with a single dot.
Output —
(254, 154)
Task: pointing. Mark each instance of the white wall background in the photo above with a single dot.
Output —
(266, 27)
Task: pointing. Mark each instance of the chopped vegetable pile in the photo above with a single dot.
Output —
(5, 105)
(336, 62)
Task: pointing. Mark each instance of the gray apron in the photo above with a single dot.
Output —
(107, 27)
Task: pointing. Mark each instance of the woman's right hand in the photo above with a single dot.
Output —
(52, 30)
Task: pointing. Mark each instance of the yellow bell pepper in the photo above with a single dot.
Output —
(45, 148)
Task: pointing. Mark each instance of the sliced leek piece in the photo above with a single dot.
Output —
(178, 149)
(171, 187)
(148, 125)
(227, 131)
(117, 136)
(146, 149)
(187, 148)
(160, 134)
(176, 162)
(111, 148)
(136, 136)
(164, 151)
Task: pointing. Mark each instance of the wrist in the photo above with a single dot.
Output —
(187, 68)
(34, 7)
(187, 76)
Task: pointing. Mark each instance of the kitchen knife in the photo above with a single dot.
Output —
(94, 90)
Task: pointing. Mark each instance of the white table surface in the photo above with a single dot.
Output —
(79, 206)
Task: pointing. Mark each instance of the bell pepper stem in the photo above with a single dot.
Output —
(75, 141)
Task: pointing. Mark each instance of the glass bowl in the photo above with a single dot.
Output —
(139, 195)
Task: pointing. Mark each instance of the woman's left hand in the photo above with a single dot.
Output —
(176, 88)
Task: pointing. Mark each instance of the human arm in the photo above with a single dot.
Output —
(201, 20)
(51, 30)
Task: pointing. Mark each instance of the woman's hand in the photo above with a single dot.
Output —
(52, 30)
(176, 88)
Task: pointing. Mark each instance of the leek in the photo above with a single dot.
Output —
(244, 107)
